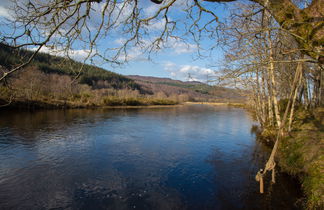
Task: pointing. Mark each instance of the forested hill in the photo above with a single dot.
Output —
(194, 90)
(90, 75)
(51, 80)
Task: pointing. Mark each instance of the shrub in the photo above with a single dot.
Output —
(133, 102)
(162, 102)
(113, 101)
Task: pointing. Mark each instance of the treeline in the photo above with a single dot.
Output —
(266, 60)
(287, 93)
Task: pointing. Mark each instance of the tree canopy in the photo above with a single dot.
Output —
(64, 26)
(305, 24)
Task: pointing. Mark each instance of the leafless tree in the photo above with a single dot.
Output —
(62, 26)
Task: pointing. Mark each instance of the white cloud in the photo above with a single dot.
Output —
(120, 41)
(156, 25)
(189, 72)
(4, 9)
(151, 10)
(180, 47)
(4, 12)
(134, 53)
(181, 3)
(98, 7)
(169, 65)
(78, 55)
(122, 11)
(173, 46)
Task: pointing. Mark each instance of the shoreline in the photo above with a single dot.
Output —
(140, 106)
(232, 104)
(60, 105)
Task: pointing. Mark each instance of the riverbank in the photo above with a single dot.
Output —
(301, 154)
(69, 104)
(239, 105)
(107, 102)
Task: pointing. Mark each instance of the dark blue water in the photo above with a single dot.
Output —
(188, 157)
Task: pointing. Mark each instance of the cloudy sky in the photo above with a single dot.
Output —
(178, 61)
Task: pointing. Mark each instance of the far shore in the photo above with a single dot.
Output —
(176, 105)
(140, 106)
(34, 105)
(218, 103)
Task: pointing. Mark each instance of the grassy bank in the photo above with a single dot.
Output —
(115, 101)
(46, 103)
(301, 154)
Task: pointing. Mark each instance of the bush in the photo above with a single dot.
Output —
(162, 102)
(113, 101)
(133, 102)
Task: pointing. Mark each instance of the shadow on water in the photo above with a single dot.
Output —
(285, 194)
(190, 157)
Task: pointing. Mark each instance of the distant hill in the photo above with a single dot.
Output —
(91, 75)
(196, 91)
(49, 81)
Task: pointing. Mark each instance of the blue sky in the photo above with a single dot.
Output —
(178, 61)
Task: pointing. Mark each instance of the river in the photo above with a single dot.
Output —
(185, 157)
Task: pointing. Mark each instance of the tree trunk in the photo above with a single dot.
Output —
(270, 102)
(298, 76)
(271, 71)
(260, 99)
(321, 87)
(305, 91)
(316, 89)
(264, 97)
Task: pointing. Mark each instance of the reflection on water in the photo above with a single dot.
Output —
(190, 157)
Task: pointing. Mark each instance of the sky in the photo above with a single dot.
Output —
(179, 61)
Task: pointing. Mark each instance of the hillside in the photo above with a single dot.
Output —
(196, 91)
(93, 76)
(52, 81)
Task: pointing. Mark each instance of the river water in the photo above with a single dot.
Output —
(186, 157)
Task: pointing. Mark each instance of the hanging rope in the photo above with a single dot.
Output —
(271, 164)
